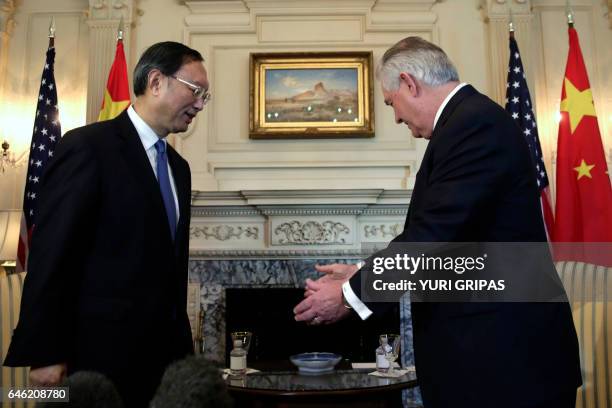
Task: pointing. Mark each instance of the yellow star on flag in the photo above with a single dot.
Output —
(111, 108)
(577, 104)
(584, 170)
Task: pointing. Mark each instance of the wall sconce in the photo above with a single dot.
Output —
(10, 224)
(8, 158)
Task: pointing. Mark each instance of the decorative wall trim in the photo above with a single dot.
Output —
(103, 22)
(394, 211)
(242, 16)
(226, 31)
(311, 232)
(111, 9)
(230, 211)
(300, 197)
(499, 9)
(496, 14)
(318, 211)
(268, 220)
(223, 232)
(268, 199)
(7, 13)
(280, 253)
(382, 230)
(7, 23)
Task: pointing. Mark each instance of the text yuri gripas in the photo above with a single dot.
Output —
(401, 263)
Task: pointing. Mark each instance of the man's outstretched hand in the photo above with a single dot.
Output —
(323, 297)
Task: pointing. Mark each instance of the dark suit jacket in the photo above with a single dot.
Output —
(106, 287)
(477, 184)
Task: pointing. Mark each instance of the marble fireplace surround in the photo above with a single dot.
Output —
(273, 238)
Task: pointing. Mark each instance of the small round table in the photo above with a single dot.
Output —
(339, 388)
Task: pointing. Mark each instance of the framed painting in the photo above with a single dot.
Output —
(311, 95)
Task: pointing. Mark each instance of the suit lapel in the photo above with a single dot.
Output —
(423, 173)
(450, 107)
(140, 167)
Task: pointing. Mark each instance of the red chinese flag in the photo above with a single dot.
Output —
(117, 93)
(584, 196)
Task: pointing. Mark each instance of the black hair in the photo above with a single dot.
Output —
(192, 383)
(87, 389)
(168, 57)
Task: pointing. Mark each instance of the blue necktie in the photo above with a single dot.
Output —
(164, 185)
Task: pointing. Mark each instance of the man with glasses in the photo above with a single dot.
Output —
(107, 274)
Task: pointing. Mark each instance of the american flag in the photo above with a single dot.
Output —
(46, 134)
(518, 104)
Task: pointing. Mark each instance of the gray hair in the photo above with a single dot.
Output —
(421, 59)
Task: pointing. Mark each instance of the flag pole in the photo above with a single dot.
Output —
(117, 94)
(569, 13)
(52, 33)
(120, 30)
(511, 23)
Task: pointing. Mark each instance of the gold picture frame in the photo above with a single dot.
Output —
(311, 95)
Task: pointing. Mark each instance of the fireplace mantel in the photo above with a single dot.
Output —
(273, 239)
(293, 223)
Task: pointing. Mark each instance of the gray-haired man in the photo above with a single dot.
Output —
(476, 183)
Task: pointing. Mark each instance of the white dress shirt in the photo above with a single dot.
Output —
(351, 298)
(148, 138)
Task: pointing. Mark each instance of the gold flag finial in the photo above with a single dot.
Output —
(510, 21)
(120, 30)
(52, 28)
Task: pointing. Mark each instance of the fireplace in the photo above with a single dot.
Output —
(251, 252)
(267, 313)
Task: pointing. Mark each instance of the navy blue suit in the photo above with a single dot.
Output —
(476, 183)
(106, 286)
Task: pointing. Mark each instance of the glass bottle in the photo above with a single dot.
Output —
(382, 364)
(238, 358)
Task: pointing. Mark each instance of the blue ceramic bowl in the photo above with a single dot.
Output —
(315, 363)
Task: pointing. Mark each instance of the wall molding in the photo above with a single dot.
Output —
(385, 231)
(103, 22)
(8, 8)
(226, 31)
(7, 16)
(260, 223)
(244, 16)
(280, 253)
(296, 232)
(223, 232)
(496, 13)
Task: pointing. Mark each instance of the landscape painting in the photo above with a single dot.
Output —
(310, 95)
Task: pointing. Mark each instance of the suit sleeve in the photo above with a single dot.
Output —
(59, 243)
(468, 167)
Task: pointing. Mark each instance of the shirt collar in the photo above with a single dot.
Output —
(148, 137)
(445, 102)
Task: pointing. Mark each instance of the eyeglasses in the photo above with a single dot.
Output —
(198, 91)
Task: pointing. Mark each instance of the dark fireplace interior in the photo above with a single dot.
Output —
(268, 313)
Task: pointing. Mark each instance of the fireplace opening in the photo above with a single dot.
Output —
(268, 314)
